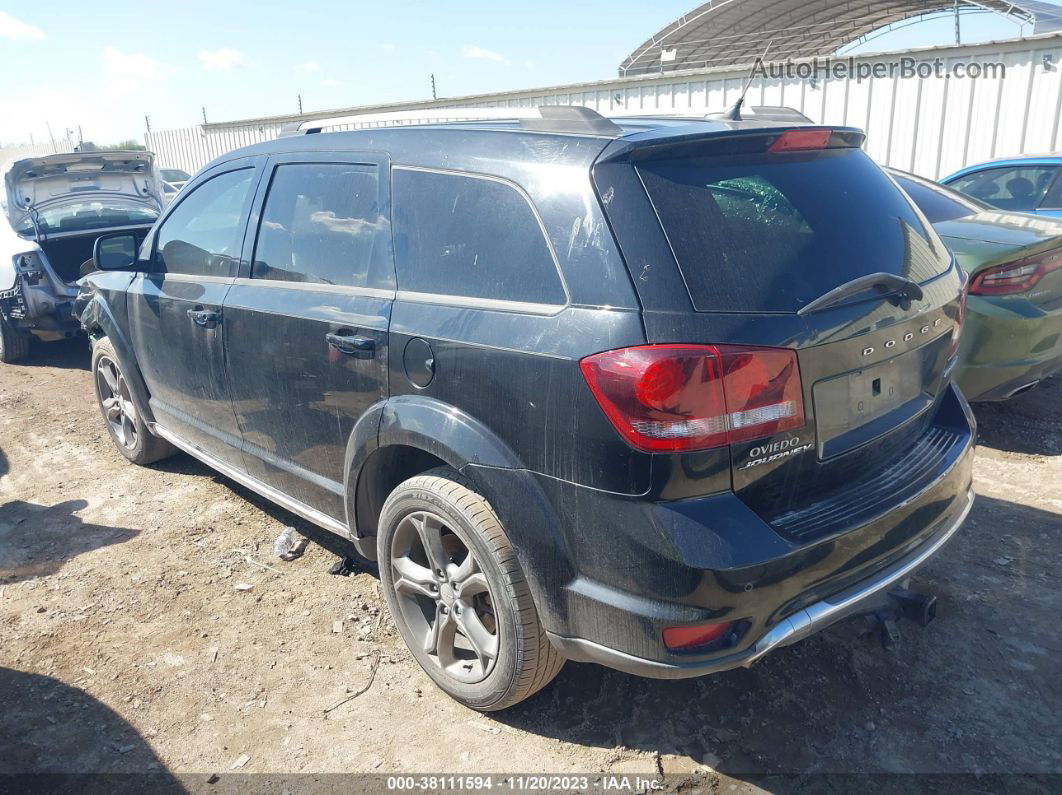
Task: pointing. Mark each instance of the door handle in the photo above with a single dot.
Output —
(358, 347)
(207, 318)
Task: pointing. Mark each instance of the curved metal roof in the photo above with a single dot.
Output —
(728, 32)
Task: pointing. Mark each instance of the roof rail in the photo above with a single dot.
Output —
(570, 119)
(404, 118)
(547, 118)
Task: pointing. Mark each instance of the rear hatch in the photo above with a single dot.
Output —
(41, 182)
(794, 238)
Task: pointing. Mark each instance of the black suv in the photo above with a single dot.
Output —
(661, 394)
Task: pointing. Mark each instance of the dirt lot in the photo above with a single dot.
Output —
(126, 646)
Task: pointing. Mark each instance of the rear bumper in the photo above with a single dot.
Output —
(610, 572)
(860, 598)
(38, 310)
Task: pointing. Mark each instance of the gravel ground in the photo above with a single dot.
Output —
(126, 645)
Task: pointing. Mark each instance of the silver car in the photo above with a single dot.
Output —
(56, 207)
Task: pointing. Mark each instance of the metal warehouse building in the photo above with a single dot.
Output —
(930, 111)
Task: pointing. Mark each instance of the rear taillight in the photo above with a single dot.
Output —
(1016, 277)
(679, 398)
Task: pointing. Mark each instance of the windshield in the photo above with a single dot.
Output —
(937, 203)
(174, 175)
(758, 233)
(82, 216)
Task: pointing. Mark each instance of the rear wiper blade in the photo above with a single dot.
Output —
(883, 284)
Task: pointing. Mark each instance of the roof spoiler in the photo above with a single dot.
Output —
(766, 113)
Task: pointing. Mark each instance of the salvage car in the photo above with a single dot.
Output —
(56, 206)
(659, 394)
(1013, 334)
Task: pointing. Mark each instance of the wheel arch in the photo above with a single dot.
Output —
(99, 321)
(407, 435)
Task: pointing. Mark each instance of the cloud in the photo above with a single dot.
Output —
(472, 51)
(17, 30)
(329, 81)
(223, 59)
(127, 72)
(387, 47)
(308, 68)
(529, 64)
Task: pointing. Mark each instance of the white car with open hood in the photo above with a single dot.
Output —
(56, 207)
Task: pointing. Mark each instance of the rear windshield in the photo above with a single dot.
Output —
(771, 234)
(86, 215)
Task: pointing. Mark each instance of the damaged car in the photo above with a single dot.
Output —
(56, 206)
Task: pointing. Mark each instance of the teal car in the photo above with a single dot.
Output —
(1025, 184)
(1012, 339)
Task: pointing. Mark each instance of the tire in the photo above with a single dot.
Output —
(491, 590)
(14, 347)
(127, 428)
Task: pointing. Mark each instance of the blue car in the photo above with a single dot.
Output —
(1027, 184)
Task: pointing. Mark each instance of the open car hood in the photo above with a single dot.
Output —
(39, 181)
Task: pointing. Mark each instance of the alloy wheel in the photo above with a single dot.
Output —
(444, 597)
(117, 405)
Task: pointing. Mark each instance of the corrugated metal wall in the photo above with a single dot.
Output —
(930, 126)
(9, 153)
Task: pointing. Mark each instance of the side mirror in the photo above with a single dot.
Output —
(116, 252)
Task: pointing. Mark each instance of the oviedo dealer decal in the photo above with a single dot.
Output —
(775, 451)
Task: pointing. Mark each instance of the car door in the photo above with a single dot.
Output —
(306, 322)
(188, 264)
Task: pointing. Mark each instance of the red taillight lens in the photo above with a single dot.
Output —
(1016, 277)
(801, 140)
(679, 398)
(677, 638)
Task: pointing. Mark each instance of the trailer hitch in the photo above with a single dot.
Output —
(903, 603)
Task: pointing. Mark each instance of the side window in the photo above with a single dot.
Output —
(1019, 188)
(319, 224)
(469, 236)
(1053, 199)
(202, 236)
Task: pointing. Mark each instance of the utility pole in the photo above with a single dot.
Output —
(204, 115)
(147, 122)
(958, 30)
(433, 95)
(49, 126)
(300, 103)
(80, 137)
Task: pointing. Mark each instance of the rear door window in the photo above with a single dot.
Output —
(1053, 199)
(319, 224)
(1019, 188)
(755, 233)
(468, 236)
